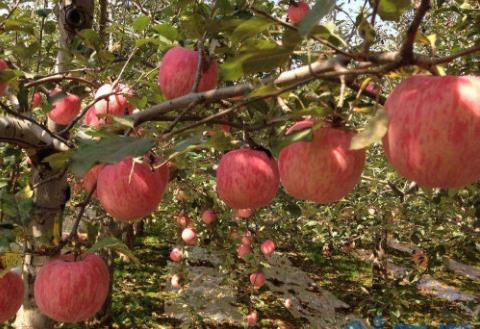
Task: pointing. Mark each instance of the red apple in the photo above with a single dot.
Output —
(183, 220)
(189, 236)
(224, 127)
(252, 318)
(246, 237)
(297, 11)
(3, 86)
(69, 290)
(176, 255)
(257, 279)
(267, 247)
(36, 99)
(177, 72)
(64, 110)
(209, 216)
(243, 249)
(90, 178)
(433, 130)
(322, 170)
(129, 191)
(175, 281)
(11, 295)
(115, 105)
(243, 213)
(247, 178)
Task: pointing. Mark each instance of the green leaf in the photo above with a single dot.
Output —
(327, 32)
(124, 121)
(318, 11)
(116, 245)
(392, 10)
(166, 30)
(264, 90)
(108, 150)
(90, 38)
(375, 129)
(7, 75)
(250, 27)
(305, 135)
(140, 23)
(255, 61)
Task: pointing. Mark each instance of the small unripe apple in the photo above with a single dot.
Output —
(257, 279)
(297, 11)
(90, 178)
(243, 249)
(176, 255)
(64, 110)
(252, 318)
(224, 127)
(267, 247)
(183, 220)
(175, 281)
(3, 86)
(36, 99)
(69, 290)
(11, 295)
(181, 195)
(129, 191)
(434, 129)
(177, 72)
(209, 216)
(246, 237)
(322, 170)
(240, 172)
(189, 236)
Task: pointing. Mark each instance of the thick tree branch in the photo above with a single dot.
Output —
(28, 135)
(301, 74)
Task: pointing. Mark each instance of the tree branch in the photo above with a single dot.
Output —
(27, 134)
(406, 51)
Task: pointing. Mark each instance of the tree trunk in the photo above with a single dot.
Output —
(50, 192)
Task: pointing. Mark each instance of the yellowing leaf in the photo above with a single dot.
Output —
(8, 261)
(375, 129)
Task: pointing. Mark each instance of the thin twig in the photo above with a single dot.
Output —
(115, 83)
(406, 52)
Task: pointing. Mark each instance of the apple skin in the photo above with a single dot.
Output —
(183, 220)
(177, 73)
(116, 105)
(257, 279)
(243, 249)
(323, 170)
(252, 318)
(267, 247)
(72, 291)
(66, 109)
(433, 130)
(128, 194)
(3, 86)
(90, 178)
(189, 236)
(242, 171)
(246, 238)
(176, 255)
(297, 12)
(209, 216)
(175, 281)
(243, 213)
(11, 295)
(36, 99)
